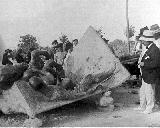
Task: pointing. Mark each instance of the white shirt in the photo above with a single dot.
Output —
(142, 54)
(59, 57)
(138, 45)
(67, 56)
(149, 45)
(144, 50)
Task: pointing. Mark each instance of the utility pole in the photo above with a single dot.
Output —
(127, 19)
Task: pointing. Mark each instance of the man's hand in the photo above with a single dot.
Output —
(141, 63)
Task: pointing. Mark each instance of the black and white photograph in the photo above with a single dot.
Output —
(79, 63)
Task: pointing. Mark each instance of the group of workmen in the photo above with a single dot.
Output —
(35, 58)
(149, 64)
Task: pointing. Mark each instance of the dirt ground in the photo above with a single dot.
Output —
(87, 114)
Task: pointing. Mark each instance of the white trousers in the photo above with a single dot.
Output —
(147, 96)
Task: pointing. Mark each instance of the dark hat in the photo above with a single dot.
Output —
(8, 50)
(55, 42)
(155, 28)
(75, 40)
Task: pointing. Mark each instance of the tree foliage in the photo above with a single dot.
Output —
(131, 31)
(119, 47)
(28, 42)
(63, 38)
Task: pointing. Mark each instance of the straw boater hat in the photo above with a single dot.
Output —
(155, 28)
(147, 36)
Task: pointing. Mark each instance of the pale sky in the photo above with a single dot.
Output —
(47, 19)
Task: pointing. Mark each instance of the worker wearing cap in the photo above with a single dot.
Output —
(156, 32)
(75, 43)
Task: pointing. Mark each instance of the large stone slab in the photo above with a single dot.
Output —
(93, 56)
(21, 98)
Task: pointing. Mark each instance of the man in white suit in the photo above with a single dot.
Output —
(150, 68)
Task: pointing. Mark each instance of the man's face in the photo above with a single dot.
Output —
(145, 43)
(157, 35)
(59, 50)
(70, 50)
(137, 38)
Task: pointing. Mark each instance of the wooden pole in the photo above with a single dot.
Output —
(127, 19)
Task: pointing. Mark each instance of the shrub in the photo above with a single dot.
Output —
(119, 47)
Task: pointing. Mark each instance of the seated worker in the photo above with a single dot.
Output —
(11, 73)
(6, 56)
(55, 69)
(36, 59)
